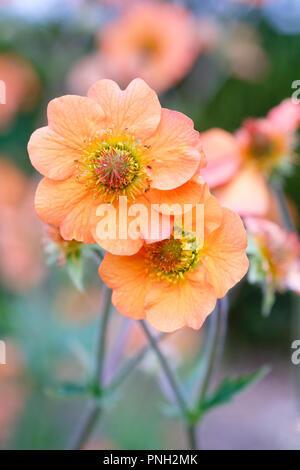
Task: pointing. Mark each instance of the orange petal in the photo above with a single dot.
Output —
(51, 154)
(172, 306)
(127, 276)
(136, 109)
(73, 120)
(247, 194)
(224, 253)
(174, 154)
(206, 214)
(189, 193)
(76, 119)
(128, 226)
(223, 156)
(67, 205)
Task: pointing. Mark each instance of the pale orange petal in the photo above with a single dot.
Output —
(172, 306)
(65, 204)
(76, 119)
(122, 230)
(207, 213)
(174, 152)
(73, 120)
(222, 154)
(127, 276)
(51, 154)
(136, 109)
(76, 225)
(189, 193)
(224, 253)
(246, 194)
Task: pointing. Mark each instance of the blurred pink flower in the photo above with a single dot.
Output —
(244, 54)
(279, 252)
(20, 87)
(239, 165)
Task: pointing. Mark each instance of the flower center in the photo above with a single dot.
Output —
(173, 258)
(115, 168)
(112, 166)
(261, 146)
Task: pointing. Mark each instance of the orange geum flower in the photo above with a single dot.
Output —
(240, 165)
(152, 40)
(109, 144)
(175, 282)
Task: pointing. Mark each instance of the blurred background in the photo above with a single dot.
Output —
(220, 61)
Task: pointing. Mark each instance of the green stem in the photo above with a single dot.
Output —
(286, 218)
(190, 428)
(91, 417)
(218, 333)
(130, 365)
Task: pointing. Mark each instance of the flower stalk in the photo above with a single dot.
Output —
(94, 410)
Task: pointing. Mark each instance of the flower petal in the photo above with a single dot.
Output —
(76, 119)
(136, 109)
(224, 254)
(174, 151)
(247, 194)
(67, 205)
(223, 156)
(127, 276)
(122, 228)
(54, 149)
(189, 193)
(51, 154)
(172, 306)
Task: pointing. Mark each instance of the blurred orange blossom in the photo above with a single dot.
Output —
(22, 86)
(109, 144)
(21, 263)
(152, 40)
(239, 165)
(175, 283)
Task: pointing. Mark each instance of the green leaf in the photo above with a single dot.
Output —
(230, 387)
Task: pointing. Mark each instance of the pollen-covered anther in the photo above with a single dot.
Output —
(115, 169)
(112, 165)
(171, 259)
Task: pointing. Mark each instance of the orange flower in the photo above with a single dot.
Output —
(240, 165)
(152, 40)
(21, 87)
(277, 256)
(112, 143)
(175, 282)
(21, 265)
